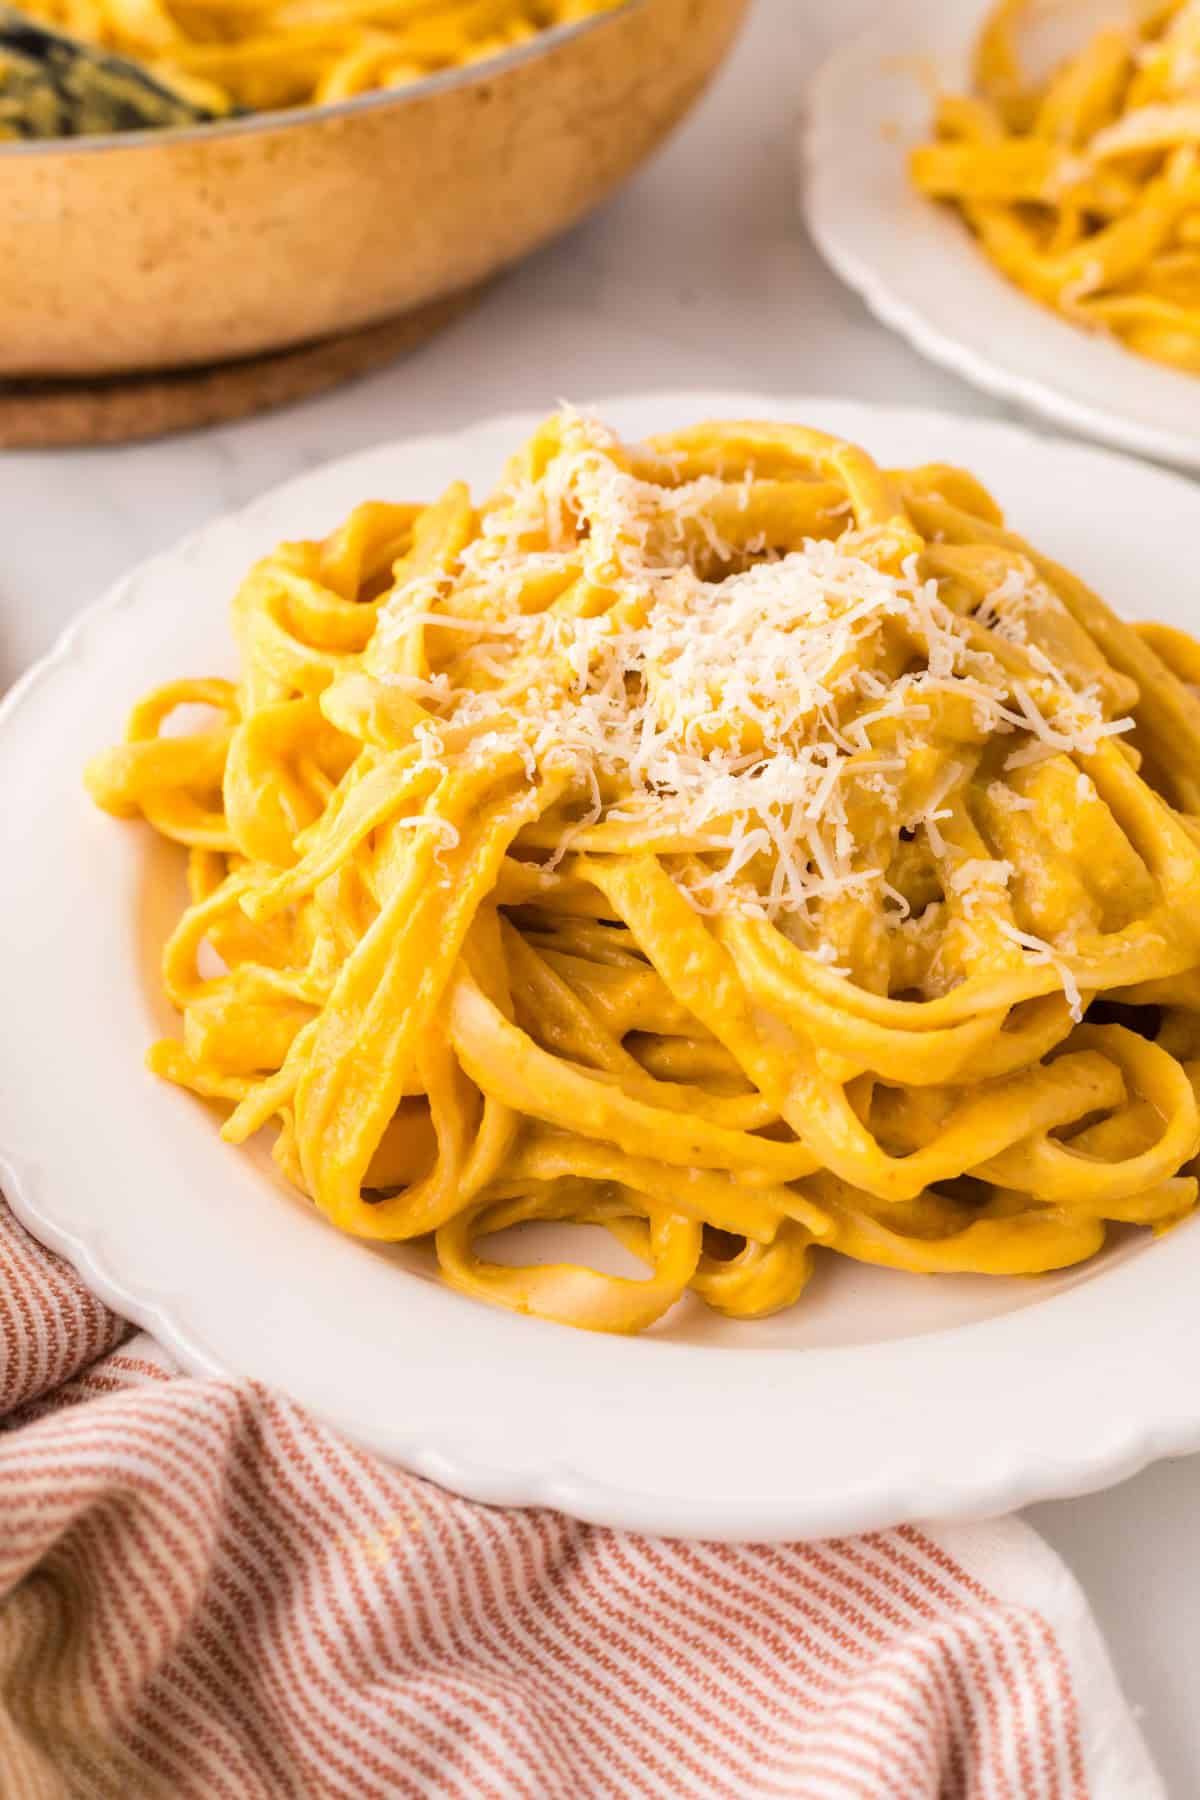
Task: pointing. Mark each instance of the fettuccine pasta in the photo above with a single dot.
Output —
(1085, 189)
(720, 841)
(257, 55)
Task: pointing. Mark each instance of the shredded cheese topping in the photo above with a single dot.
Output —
(767, 712)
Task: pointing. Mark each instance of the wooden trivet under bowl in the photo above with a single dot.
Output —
(55, 414)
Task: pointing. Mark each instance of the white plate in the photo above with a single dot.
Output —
(917, 267)
(880, 1397)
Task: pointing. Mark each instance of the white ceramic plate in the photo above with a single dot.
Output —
(916, 266)
(881, 1397)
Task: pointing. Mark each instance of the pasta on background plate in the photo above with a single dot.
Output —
(1084, 188)
(720, 840)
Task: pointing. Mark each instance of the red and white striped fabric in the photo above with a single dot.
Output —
(204, 1593)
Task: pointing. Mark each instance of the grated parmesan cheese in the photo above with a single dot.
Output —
(763, 713)
(1043, 952)
(978, 881)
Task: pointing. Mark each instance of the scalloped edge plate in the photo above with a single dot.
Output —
(884, 1397)
(917, 269)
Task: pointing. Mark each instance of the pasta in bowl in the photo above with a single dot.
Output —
(227, 56)
(720, 840)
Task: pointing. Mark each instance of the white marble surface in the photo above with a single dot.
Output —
(699, 274)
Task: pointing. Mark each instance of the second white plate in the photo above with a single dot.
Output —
(880, 1397)
(917, 267)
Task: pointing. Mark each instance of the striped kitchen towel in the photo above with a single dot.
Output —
(205, 1593)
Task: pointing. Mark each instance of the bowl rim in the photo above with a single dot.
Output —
(290, 117)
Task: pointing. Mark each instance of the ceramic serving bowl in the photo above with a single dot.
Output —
(169, 249)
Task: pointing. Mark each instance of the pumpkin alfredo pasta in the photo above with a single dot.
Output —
(1084, 189)
(718, 840)
(254, 55)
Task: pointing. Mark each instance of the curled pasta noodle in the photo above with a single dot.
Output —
(721, 843)
(1084, 188)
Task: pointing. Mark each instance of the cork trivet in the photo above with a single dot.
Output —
(48, 415)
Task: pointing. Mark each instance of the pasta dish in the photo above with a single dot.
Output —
(255, 55)
(1084, 189)
(721, 841)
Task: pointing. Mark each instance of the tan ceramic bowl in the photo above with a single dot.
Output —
(221, 241)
